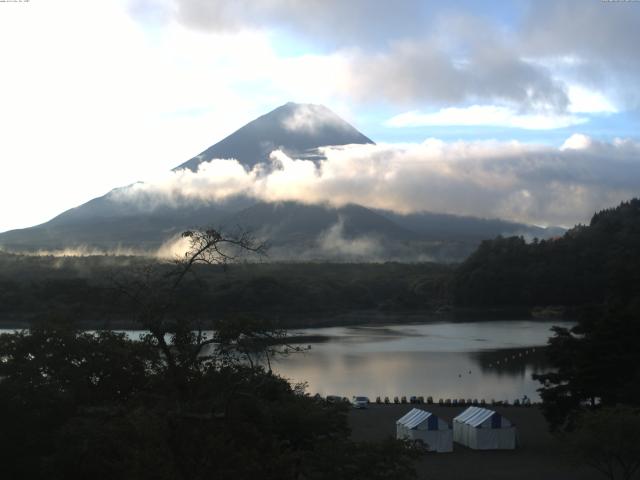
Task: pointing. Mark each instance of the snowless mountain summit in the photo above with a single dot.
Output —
(296, 128)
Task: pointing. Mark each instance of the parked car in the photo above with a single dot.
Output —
(333, 398)
(360, 402)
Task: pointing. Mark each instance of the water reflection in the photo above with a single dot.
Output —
(490, 360)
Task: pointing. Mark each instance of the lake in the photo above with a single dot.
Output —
(490, 360)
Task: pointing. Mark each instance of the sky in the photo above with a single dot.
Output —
(526, 110)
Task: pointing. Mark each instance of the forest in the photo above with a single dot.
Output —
(587, 265)
(85, 288)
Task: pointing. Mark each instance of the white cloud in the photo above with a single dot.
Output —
(523, 182)
(577, 141)
(334, 243)
(485, 115)
(584, 100)
(309, 118)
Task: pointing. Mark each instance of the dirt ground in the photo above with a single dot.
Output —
(540, 456)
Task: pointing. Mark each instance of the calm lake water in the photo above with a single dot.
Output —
(490, 360)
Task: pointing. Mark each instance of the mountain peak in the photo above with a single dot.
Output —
(296, 128)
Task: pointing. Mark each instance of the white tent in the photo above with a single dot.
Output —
(421, 425)
(483, 429)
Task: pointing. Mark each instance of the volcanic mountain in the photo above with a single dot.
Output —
(295, 230)
(296, 129)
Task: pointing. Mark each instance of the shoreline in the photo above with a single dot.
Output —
(291, 321)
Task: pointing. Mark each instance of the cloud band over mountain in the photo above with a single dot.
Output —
(522, 182)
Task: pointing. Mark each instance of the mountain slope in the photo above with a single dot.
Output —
(297, 129)
(140, 220)
(442, 226)
(113, 220)
(289, 221)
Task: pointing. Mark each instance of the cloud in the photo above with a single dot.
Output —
(523, 182)
(406, 52)
(425, 71)
(577, 141)
(85, 251)
(584, 100)
(488, 115)
(172, 248)
(416, 51)
(330, 22)
(310, 118)
(600, 35)
(334, 243)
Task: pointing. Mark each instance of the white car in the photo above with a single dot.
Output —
(360, 402)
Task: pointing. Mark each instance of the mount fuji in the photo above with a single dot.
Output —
(296, 231)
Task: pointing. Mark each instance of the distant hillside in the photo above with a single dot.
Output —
(441, 226)
(586, 265)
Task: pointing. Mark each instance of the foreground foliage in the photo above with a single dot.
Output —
(608, 440)
(176, 404)
(597, 363)
(80, 405)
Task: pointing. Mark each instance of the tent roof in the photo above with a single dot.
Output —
(414, 418)
(474, 416)
(480, 417)
(417, 419)
(469, 412)
(407, 415)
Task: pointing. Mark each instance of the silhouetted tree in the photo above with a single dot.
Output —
(180, 403)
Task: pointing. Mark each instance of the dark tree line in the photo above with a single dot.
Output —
(82, 288)
(585, 266)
